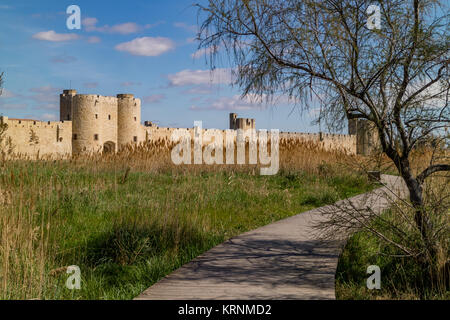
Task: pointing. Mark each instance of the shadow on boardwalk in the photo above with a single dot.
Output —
(283, 260)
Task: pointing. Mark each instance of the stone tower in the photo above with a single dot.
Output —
(241, 123)
(85, 124)
(65, 105)
(233, 118)
(129, 119)
(94, 123)
(366, 136)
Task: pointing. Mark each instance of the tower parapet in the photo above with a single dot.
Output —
(125, 95)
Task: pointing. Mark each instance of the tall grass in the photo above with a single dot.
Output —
(129, 219)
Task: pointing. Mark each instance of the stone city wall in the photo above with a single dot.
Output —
(46, 138)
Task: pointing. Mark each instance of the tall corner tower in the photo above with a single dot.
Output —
(352, 126)
(233, 117)
(366, 136)
(128, 119)
(65, 105)
(86, 125)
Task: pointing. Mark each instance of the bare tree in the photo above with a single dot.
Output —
(396, 77)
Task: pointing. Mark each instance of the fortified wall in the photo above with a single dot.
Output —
(94, 123)
(31, 137)
(327, 141)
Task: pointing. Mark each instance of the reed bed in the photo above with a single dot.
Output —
(128, 219)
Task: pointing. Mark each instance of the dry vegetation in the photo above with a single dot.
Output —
(131, 218)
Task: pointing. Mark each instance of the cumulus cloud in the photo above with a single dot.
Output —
(125, 28)
(239, 103)
(90, 25)
(200, 77)
(147, 46)
(154, 98)
(235, 103)
(55, 37)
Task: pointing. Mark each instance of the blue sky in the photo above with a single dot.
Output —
(143, 47)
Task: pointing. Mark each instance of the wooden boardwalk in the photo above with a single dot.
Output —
(283, 260)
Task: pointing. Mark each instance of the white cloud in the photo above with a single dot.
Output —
(200, 77)
(236, 103)
(55, 37)
(125, 28)
(154, 98)
(249, 102)
(147, 46)
(90, 25)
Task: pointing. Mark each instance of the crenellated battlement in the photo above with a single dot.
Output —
(33, 123)
(125, 96)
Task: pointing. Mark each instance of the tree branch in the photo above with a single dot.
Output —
(432, 169)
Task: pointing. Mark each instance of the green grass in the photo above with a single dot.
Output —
(401, 277)
(128, 230)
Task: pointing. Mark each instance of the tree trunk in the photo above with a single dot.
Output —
(428, 261)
